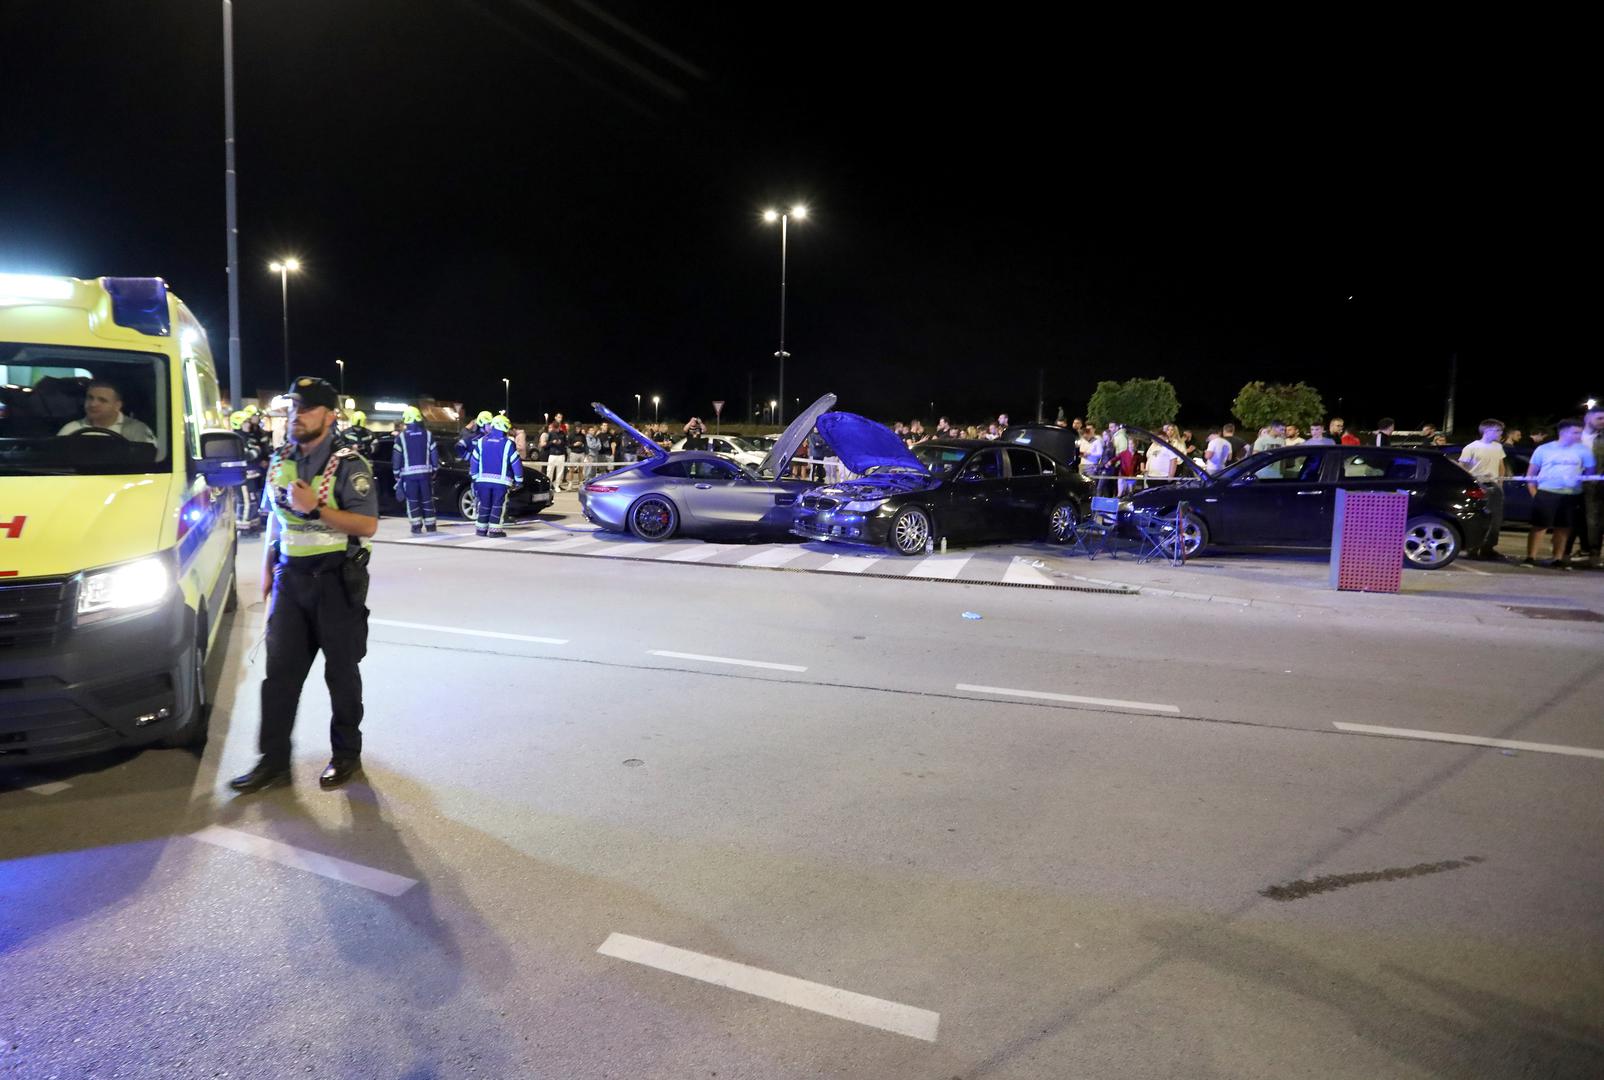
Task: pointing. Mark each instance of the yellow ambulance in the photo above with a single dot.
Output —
(116, 517)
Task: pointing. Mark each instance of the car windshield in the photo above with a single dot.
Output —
(940, 460)
(86, 412)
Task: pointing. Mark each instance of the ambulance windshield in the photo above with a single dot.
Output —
(82, 412)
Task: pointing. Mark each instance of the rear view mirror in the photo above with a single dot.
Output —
(222, 460)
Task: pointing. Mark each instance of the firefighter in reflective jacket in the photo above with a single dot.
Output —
(496, 471)
(415, 460)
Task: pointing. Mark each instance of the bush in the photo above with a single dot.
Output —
(1258, 405)
(1146, 403)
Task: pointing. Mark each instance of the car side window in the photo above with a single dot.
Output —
(713, 470)
(986, 465)
(671, 469)
(1374, 466)
(1025, 463)
(1294, 467)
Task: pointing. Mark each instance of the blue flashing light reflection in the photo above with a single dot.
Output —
(139, 303)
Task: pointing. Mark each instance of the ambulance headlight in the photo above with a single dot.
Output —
(121, 590)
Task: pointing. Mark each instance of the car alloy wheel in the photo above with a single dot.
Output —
(910, 531)
(467, 504)
(1061, 522)
(1430, 544)
(653, 518)
(1194, 537)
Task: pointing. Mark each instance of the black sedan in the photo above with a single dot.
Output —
(962, 490)
(1287, 498)
(453, 486)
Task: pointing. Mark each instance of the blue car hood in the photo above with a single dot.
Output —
(862, 444)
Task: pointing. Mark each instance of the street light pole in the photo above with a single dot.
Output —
(236, 381)
(799, 212)
(284, 267)
(506, 396)
(637, 410)
(341, 364)
(655, 401)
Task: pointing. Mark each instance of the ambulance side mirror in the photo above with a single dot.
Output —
(222, 460)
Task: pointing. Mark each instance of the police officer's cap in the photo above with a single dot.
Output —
(311, 393)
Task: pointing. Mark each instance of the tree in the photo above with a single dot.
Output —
(1146, 403)
(1259, 405)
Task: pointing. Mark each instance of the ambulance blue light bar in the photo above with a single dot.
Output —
(139, 303)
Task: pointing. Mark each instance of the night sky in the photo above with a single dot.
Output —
(567, 193)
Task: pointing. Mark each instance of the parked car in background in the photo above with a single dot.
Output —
(729, 446)
(1287, 498)
(1052, 440)
(963, 490)
(453, 485)
(696, 493)
(1517, 497)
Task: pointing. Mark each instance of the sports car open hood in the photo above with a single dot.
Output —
(862, 444)
(653, 451)
(786, 445)
(1191, 466)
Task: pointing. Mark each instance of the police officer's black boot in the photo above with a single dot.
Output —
(264, 775)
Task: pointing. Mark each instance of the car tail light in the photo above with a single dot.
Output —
(601, 489)
(1477, 493)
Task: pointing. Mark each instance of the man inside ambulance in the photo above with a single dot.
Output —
(103, 408)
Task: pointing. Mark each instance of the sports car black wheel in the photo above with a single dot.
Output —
(653, 518)
(910, 531)
(1061, 522)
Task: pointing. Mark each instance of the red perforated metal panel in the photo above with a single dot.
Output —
(1367, 540)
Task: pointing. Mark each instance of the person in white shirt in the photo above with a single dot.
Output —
(1484, 459)
(103, 408)
(1161, 461)
(1554, 479)
(1091, 450)
(1218, 451)
(1318, 437)
(1271, 437)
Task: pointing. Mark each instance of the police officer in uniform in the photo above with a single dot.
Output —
(322, 507)
(496, 470)
(414, 461)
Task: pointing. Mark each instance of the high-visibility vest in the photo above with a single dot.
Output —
(495, 461)
(298, 537)
(419, 457)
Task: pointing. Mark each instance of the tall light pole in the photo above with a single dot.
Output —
(341, 364)
(284, 268)
(236, 381)
(784, 218)
(506, 396)
(655, 402)
(637, 409)
(774, 414)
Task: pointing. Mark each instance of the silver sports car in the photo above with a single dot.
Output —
(694, 493)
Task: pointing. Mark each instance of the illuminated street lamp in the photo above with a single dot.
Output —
(341, 364)
(774, 416)
(637, 409)
(655, 402)
(1591, 403)
(506, 396)
(784, 217)
(284, 268)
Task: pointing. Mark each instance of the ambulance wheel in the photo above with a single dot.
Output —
(467, 505)
(193, 733)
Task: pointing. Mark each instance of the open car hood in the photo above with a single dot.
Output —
(862, 444)
(653, 451)
(1190, 465)
(785, 447)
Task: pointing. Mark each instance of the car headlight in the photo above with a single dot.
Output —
(134, 586)
(864, 506)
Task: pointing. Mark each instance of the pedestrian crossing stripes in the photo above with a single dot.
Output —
(981, 566)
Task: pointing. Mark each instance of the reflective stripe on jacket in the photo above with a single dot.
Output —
(415, 453)
(495, 461)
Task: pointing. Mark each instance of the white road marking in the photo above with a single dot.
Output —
(379, 881)
(1020, 572)
(468, 633)
(775, 556)
(940, 566)
(1473, 570)
(48, 789)
(1073, 699)
(786, 989)
(573, 543)
(1469, 740)
(701, 552)
(851, 564)
(724, 660)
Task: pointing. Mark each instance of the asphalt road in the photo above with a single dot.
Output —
(591, 844)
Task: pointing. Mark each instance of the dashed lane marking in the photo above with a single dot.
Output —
(500, 635)
(851, 564)
(1073, 699)
(367, 877)
(786, 989)
(1021, 572)
(51, 788)
(946, 567)
(699, 552)
(776, 556)
(724, 660)
(1468, 740)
